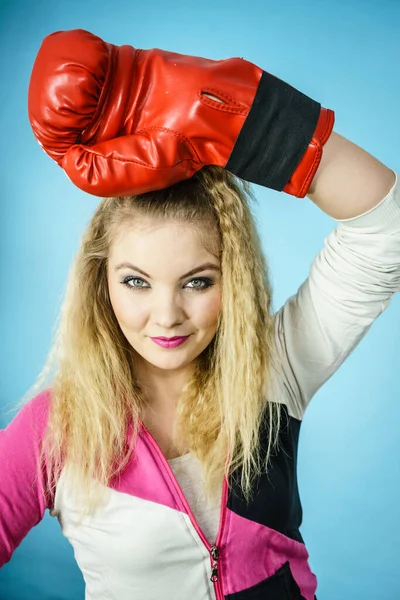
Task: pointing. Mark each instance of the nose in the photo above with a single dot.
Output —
(167, 311)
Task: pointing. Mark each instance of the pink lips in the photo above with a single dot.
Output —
(172, 342)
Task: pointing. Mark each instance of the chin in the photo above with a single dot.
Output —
(169, 365)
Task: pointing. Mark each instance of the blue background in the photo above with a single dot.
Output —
(346, 56)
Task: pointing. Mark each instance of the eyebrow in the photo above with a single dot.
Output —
(203, 267)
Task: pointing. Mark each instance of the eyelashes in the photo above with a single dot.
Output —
(206, 281)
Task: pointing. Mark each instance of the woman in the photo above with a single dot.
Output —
(171, 466)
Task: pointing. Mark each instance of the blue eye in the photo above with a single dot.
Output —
(128, 279)
(205, 281)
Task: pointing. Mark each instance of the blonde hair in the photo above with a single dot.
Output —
(94, 395)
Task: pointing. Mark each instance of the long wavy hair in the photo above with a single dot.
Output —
(94, 394)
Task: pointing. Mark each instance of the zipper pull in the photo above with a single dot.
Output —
(214, 575)
(214, 567)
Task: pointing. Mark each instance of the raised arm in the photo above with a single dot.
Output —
(353, 278)
(349, 181)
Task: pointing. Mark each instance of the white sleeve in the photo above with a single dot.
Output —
(351, 282)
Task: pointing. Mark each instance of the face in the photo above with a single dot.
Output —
(163, 282)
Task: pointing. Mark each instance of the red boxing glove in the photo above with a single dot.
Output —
(124, 121)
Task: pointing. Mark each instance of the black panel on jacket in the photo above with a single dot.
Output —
(275, 502)
(280, 586)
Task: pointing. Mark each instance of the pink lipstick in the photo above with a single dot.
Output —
(172, 342)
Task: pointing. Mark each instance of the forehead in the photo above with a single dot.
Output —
(152, 242)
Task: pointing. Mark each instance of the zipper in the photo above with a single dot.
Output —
(213, 549)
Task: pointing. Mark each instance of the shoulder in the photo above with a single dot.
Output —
(31, 419)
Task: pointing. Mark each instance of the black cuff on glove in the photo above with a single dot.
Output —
(275, 134)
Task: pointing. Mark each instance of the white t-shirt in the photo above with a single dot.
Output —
(187, 469)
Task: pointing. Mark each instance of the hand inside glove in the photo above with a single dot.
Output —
(124, 121)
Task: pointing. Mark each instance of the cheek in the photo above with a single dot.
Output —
(127, 311)
(210, 310)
